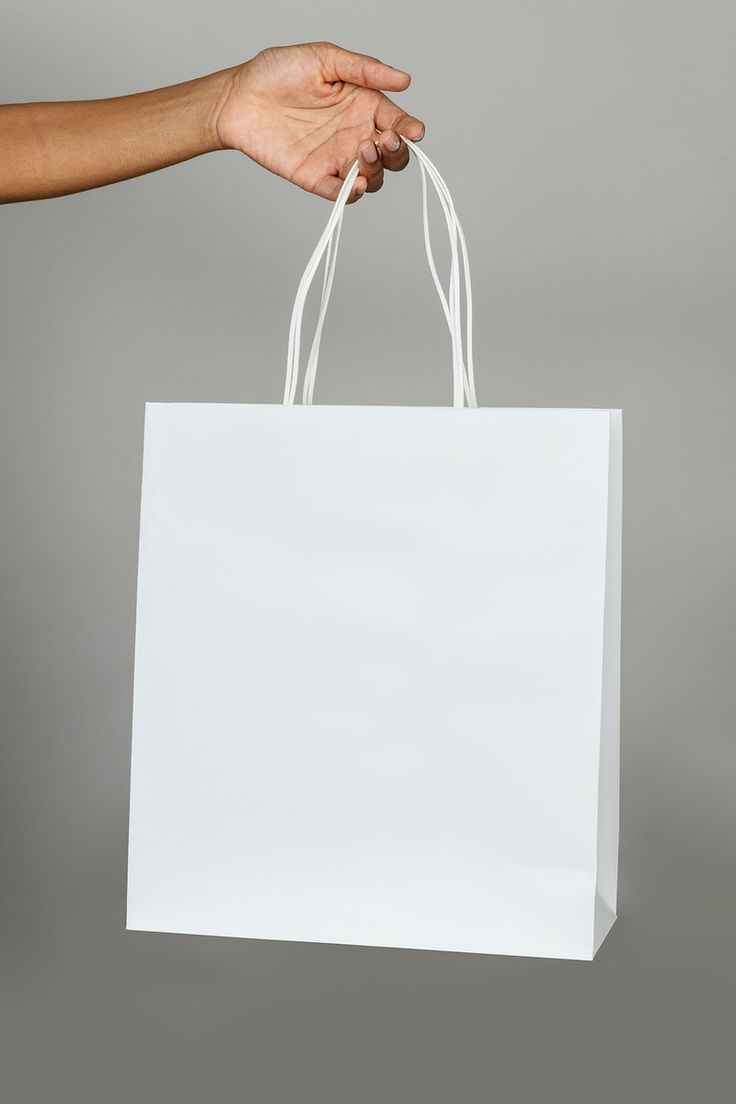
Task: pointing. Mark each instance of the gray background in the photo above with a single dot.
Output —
(589, 148)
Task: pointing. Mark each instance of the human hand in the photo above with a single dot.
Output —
(307, 112)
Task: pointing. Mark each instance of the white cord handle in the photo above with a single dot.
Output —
(463, 390)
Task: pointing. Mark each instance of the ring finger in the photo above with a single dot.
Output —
(371, 164)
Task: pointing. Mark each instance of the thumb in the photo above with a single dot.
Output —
(360, 69)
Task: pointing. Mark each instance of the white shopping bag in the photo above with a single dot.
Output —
(377, 667)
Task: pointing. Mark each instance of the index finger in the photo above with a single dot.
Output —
(389, 116)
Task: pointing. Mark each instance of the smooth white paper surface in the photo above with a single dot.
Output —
(376, 676)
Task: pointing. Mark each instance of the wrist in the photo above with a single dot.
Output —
(239, 119)
(213, 93)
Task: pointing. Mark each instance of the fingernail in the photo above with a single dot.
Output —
(370, 154)
(360, 187)
(393, 143)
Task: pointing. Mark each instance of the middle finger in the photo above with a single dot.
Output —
(393, 151)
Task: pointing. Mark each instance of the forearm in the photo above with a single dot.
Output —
(52, 149)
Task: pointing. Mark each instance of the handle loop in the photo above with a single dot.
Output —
(462, 359)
